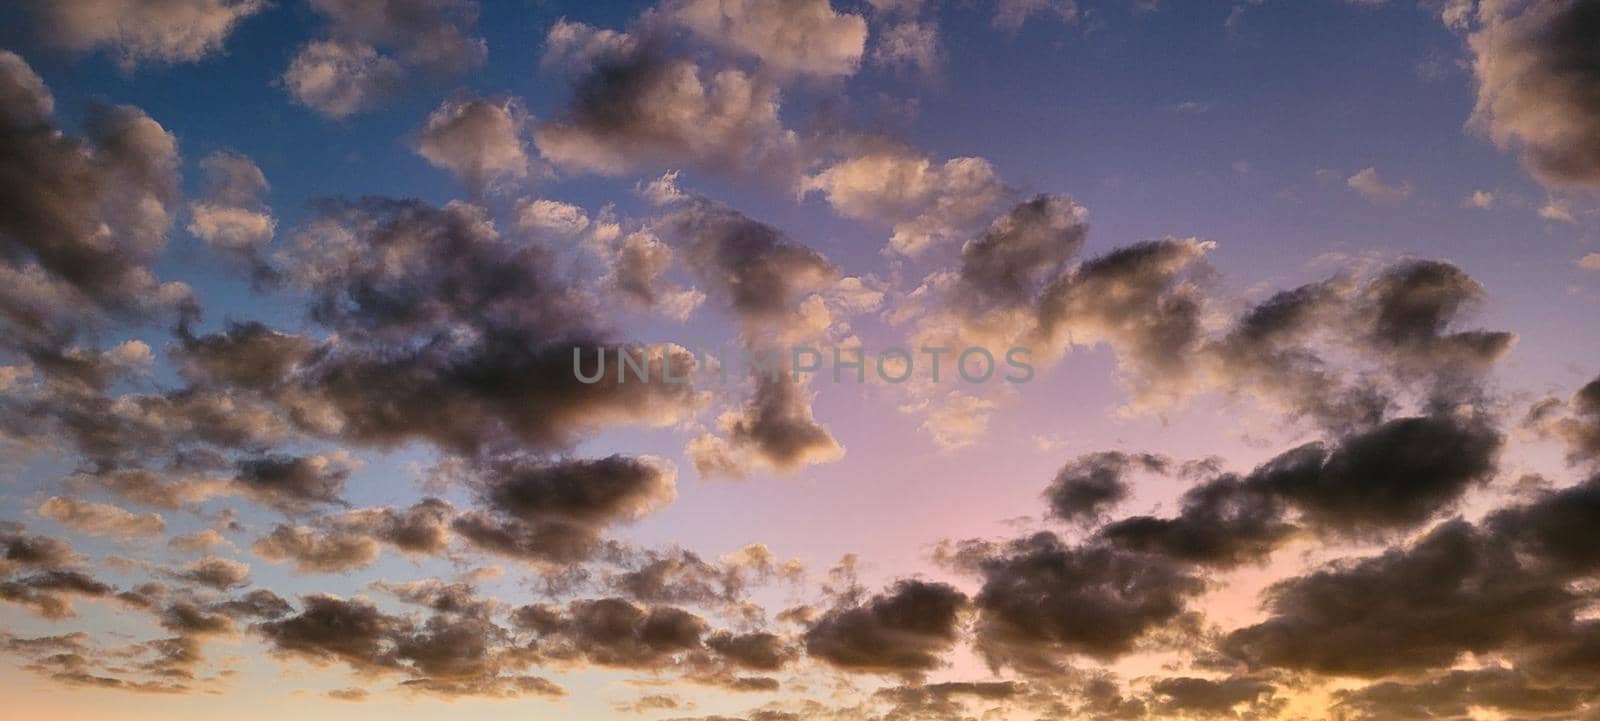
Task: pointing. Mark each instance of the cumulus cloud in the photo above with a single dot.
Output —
(1090, 485)
(141, 31)
(1044, 601)
(906, 630)
(633, 106)
(473, 334)
(372, 46)
(479, 141)
(1371, 186)
(922, 200)
(87, 216)
(1536, 92)
(314, 552)
(794, 37)
(100, 519)
(230, 215)
(214, 572)
(542, 511)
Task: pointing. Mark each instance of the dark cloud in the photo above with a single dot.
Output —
(633, 105)
(82, 219)
(756, 651)
(1576, 422)
(613, 632)
(441, 597)
(189, 619)
(1454, 591)
(1029, 244)
(1538, 86)
(244, 355)
(258, 604)
(293, 483)
(1043, 600)
(421, 529)
(1092, 484)
(329, 628)
(905, 630)
(1408, 313)
(757, 270)
(214, 572)
(471, 334)
(557, 511)
(1146, 301)
(1555, 531)
(1212, 698)
(1457, 693)
(774, 429)
(1224, 522)
(21, 550)
(49, 592)
(1397, 475)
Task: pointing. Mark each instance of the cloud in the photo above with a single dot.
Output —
(87, 216)
(1535, 92)
(775, 429)
(633, 107)
(1030, 243)
(230, 216)
(799, 37)
(1207, 697)
(294, 483)
(1088, 486)
(100, 519)
(1375, 189)
(353, 70)
(755, 269)
(557, 511)
(473, 333)
(1043, 601)
(905, 630)
(1397, 475)
(314, 552)
(138, 32)
(923, 201)
(909, 45)
(1145, 301)
(613, 632)
(49, 592)
(214, 572)
(1590, 262)
(479, 141)
(1505, 690)
(1453, 591)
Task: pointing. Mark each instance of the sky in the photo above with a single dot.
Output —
(1290, 411)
